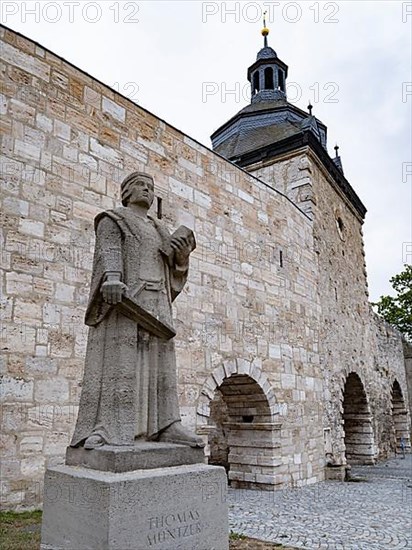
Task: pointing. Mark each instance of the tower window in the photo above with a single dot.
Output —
(269, 78)
(281, 80)
(256, 82)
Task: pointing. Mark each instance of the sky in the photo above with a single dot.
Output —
(186, 62)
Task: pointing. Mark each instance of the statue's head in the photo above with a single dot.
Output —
(138, 188)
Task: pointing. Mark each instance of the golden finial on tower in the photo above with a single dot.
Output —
(265, 30)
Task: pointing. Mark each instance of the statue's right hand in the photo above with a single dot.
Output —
(112, 291)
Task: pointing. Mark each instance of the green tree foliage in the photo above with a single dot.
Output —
(397, 310)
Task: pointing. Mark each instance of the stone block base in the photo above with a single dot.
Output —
(141, 456)
(177, 508)
(335, 473)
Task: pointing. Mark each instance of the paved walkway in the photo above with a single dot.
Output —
(375, 514)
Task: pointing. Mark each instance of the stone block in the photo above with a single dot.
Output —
(31, 444)
(32, 466)
(181, 189)
(31, 227)
(44, 123)
(27, 150)
(16, 389)
(12, 205)
(113, 109)
(26, 62)
(92, 97)
(181, 507)
(55, 390)
(202, 199)
(105, 153)
(335, 473)
(264, 478)
(143, 455)
(64, 293)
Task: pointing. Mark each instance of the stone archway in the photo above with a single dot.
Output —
(399, 418)
(357, 423)
(236, 411)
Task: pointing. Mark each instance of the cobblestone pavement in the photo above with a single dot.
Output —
(375, 514)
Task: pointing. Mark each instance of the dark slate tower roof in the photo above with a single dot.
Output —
(263, 123)
(270, 125)
(266, 53)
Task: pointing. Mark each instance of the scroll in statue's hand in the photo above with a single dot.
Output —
(112, 290)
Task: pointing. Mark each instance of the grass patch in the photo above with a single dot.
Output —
(20, 530)
(236, 536)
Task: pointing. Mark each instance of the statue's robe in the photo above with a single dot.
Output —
(129, 385)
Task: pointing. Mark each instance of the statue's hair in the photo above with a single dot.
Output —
(127, 182)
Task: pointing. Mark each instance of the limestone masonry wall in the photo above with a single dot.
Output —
(407, 353)
(251, 306)
(282, 364)
(351, 337)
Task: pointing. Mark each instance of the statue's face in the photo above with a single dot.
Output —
(142, 192)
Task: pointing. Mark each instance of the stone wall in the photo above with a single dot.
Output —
(407, 353)
(251, 305)
(352, 338)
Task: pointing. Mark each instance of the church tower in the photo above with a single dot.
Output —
(270, 128)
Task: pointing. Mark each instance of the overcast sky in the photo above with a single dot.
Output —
(181, 60)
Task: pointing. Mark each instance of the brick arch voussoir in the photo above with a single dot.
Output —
(226, 370)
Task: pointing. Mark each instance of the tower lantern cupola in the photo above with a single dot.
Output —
(267, 76)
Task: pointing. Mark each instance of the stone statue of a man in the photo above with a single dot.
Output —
(129, 387)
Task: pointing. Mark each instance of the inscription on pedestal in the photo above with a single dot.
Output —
(173, 526)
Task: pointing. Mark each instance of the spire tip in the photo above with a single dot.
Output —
(265, 30)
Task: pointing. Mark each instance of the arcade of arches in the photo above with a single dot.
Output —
(245, 440)
(360, 447)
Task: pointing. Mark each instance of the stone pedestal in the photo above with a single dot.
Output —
(173, 508)
(141, 456)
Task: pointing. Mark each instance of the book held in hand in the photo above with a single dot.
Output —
(181, 231)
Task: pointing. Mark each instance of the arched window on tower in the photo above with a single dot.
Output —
(269, 78)
(281, 80)
(255, 85)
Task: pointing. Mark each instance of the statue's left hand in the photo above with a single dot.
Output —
(182, 248)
